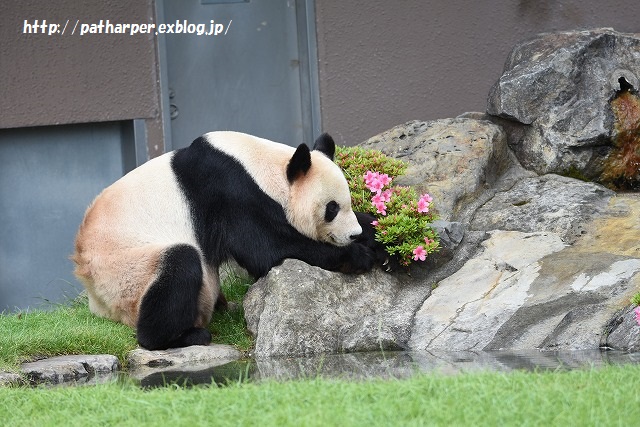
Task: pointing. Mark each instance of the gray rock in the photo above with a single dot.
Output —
(180, 356)
(449, 233)
(454, 160)
(466, 309)
(300, 310)
(550, 203)
(9, 379)
(531, 290)
(558, 87)
(77, 369)
(197, 363)
(625, 332)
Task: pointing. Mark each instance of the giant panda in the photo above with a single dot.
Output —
(149, 246)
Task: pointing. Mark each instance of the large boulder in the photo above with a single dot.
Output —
(624, 332)
(556, 91)
(453, 159)
(532, 290)
(549, 203)
(300, 310)
(535, 262)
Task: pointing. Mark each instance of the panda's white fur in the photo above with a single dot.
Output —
(304, 200)
(153, 240)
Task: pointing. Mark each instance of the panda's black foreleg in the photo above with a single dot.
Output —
(169, 308)
(368, 237)
(363, 254)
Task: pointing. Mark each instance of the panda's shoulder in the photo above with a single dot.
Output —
(253, 152)
(262, 160)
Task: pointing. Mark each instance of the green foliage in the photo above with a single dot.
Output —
(229, 326)
(355, 162)
(574, 172)
(68, 329)
(402, 229)
(635, 300)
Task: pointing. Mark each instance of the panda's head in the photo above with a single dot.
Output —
(319, 204)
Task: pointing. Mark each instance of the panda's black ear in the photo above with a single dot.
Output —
(325, 145)
(299, 164)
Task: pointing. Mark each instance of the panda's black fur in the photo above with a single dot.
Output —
(232, 218)
(258, 237)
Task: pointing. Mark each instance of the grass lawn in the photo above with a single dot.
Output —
(607, 396)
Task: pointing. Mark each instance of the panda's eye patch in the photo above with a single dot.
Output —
(331, 211)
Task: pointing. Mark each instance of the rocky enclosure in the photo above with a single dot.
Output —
(531, 259)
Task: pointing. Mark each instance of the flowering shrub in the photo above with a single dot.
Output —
(403, 216)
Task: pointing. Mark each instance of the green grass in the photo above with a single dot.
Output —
(229, 327)
(609, 396)
(70, 329)
(73, 329)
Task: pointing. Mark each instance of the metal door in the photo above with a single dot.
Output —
(254, 77)
(48, 177)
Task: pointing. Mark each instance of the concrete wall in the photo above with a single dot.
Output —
(384, 62)
(68, 78)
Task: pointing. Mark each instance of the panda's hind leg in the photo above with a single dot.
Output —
(169, 308)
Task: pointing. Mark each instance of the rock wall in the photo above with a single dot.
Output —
(530, 260)
(556, 91)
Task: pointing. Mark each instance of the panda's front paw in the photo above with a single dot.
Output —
(368, 239)
(360, 259)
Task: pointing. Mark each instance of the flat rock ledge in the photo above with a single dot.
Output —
(94, 369)
(152, 366)
(87, 369)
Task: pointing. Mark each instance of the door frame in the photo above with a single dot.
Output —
(309, 80)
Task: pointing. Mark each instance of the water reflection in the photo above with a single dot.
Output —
(382, 365)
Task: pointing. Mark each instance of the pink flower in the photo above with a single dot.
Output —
(372, 181)
(375, 186)
(381, 197)
(637, 312)
(427, 241)
(380, 207)
(423, 207)
(374, 223)
(376, 181)
(427, 198)
(419, 254)
(423, 203)
(370, 176)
